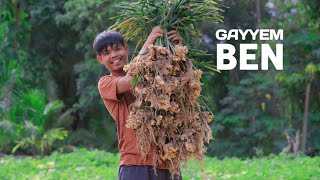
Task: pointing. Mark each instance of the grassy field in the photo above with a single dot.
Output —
(84, 164)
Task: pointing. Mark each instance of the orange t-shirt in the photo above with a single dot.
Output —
(118, 108)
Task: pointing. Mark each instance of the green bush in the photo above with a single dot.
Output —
(24, 114)
(36, 138)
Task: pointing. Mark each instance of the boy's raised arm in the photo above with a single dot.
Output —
(155, 33)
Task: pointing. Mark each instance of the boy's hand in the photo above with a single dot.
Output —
(175, 37)
(155, 33)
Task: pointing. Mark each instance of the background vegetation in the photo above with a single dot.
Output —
(49, 75)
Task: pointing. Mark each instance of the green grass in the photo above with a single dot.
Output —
(84, 164)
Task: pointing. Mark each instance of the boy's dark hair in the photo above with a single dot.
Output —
(107, 38)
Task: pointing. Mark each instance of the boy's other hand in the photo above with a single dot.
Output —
(175, 37)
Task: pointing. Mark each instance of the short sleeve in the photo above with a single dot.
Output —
(108, 87)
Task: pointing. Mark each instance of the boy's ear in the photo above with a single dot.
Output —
(126, 47)
(99, 58)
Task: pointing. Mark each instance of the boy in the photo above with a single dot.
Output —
(115, 90)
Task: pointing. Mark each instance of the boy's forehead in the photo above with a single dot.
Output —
(110, 46)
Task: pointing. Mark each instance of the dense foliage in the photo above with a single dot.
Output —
(47, 56)
(254, 109)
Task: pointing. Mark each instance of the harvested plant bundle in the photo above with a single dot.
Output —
(166, 116)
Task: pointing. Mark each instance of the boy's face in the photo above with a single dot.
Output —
(114, 57)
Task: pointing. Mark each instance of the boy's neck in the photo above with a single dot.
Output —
(118, 73)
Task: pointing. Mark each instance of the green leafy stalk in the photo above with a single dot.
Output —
(135, 80)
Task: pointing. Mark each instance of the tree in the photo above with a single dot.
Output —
(302, 44)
